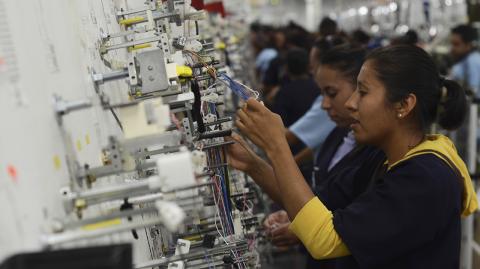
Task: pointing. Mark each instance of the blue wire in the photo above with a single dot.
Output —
(238, 89)
(223, 184)
(225, 198)
(208, 260)
(227, 204)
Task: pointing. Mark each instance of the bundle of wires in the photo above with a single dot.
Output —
(208, 108)
(238, 88)
(221, 192)
(222, 201)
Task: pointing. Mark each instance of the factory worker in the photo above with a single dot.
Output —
(314, 126)
(411, 217)
(464, 51)
(344, 169)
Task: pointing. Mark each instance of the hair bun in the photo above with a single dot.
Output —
(453, 105)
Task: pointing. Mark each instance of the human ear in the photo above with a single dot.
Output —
(406, 106)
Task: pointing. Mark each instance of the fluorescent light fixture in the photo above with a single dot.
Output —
(393, 6)
(363, 11)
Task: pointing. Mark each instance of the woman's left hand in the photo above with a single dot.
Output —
(261, 126)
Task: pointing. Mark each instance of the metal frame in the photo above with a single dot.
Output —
(469, 246)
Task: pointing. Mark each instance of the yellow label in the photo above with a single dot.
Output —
(101, 225)
(57, 163)
(220, 46)
(87, 139)
(184, 71)
(130, 21)
(137, 47)
(80, 204)
(193, 238)
(79, 145)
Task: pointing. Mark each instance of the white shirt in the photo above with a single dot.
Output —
(347, 145)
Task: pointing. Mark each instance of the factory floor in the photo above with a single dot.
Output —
(285, 260)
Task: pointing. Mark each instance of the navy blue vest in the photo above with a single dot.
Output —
(349, 178)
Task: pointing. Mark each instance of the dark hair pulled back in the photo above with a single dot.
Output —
(346, 59)
(405, 70)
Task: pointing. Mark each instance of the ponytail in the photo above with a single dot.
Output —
(452, 105)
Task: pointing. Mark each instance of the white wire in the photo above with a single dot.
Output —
(215, 218)
(214, 85)
(256, 93)
(234, 253)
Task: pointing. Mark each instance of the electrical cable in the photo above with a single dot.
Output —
(238, 88)
(197, 115)
(117, 119)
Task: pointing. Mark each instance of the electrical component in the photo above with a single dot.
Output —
(193, 45)
(172, 215)
(183, 247)
(176, 265)
(146, 118)
(184, 71)
(175, 170)
(210, 118)
(199, 160)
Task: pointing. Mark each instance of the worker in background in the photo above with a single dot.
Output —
(296, 95)
(267, 50)
(340, 161)
(360, 38)
(411, 216)
(327, 27)
(409, 38)
(313, 127)
(466, 70)
(294, 36)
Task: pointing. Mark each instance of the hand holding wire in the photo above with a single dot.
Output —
(263, 127)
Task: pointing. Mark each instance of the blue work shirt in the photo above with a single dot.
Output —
(314, 126)
(468, 71)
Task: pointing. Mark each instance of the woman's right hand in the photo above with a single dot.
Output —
(240, 155)
(274, 219)
(281, 236)
(276, 226)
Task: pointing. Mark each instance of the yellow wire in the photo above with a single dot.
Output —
(210, 69)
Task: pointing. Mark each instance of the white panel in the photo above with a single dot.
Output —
(53, 44)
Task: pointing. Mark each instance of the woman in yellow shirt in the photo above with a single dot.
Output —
(411, 217)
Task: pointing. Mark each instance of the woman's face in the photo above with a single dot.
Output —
(336, 90)
(374, 118)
